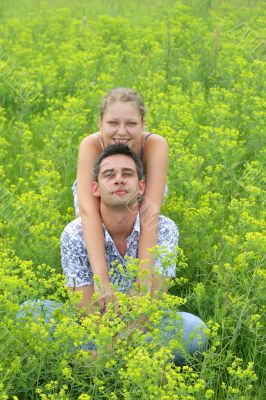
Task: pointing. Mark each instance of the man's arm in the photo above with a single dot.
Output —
(75, 263)
(85, 304)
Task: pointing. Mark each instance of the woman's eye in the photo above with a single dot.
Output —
(113, 123)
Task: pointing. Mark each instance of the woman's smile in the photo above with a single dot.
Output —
(121, 141)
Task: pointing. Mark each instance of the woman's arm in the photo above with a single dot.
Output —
(155, 161)
(90, 216)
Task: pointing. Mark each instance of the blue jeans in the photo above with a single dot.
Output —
(189, 328)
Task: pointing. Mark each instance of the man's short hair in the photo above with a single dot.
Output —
(117, 149)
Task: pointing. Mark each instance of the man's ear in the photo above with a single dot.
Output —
(141, 186)
(95, 189)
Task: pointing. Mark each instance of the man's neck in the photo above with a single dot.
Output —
(119, 221)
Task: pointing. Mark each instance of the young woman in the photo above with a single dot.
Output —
(121, 120)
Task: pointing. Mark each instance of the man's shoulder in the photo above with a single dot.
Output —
(73, 227)
(165, 221)
(167, 231)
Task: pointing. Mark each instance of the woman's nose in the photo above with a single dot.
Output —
(121, 129)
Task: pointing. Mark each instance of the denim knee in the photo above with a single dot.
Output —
(189, 330)
(45, 309)
(39, 308)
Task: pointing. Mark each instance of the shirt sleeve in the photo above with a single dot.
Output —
(165, 251)
(74, 256)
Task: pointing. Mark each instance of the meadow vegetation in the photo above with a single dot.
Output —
(200, 67)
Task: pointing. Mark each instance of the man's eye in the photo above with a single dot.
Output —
(112, 123)
(108, 174)
(127, 174)
(132, 123)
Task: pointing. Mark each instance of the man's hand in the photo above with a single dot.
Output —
(144, 278)
(104, 297)
(88, 303)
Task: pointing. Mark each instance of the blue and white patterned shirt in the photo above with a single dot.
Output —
(76, 265)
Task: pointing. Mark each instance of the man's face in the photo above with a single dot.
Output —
(118, 183)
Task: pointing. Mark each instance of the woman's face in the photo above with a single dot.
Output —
(122, 123)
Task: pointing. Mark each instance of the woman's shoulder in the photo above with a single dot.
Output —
(89, 148)
(153, 140)
(154, 148)
(92, 141)
(151, 137)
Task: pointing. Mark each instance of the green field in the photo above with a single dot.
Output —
(200, 67)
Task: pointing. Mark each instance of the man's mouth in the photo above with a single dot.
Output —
(120, 192)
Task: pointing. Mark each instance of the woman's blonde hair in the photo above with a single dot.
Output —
(123, 95)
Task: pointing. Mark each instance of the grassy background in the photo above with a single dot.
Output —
(200, 66)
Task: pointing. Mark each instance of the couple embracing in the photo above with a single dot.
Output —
(119, 212)
(121, 180)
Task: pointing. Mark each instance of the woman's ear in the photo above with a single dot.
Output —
(100, 122)
(95, 189)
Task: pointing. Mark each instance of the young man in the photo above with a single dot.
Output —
(118, 184)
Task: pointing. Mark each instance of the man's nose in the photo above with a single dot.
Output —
(119, 178)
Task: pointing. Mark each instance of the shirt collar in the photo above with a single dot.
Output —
(135, 232)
